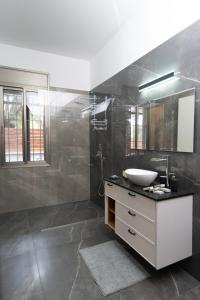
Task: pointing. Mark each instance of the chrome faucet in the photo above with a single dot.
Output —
(99, 152)
(166, 159)
(101, 157)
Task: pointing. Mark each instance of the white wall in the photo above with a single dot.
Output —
(65, 72)
(150, 25)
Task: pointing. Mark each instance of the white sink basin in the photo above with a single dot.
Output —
(141, 177)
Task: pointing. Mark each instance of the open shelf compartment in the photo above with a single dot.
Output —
(111, 212)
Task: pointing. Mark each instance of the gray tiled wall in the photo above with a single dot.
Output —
(67, 179)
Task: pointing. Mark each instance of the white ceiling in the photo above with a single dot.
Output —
(76, 28)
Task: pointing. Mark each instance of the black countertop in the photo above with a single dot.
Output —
(125, 183)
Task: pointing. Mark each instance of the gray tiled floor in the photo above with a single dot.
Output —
(39, 258)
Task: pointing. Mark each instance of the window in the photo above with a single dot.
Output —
(24, 124)
(13, 125)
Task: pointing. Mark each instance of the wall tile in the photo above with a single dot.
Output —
(68, 177)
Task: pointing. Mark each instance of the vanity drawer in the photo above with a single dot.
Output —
(133, 219)
(111, 190)
(139, 203)
(137, 242)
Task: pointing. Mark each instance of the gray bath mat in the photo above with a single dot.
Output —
(112, 267)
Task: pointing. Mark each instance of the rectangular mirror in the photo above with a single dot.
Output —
(165, 124)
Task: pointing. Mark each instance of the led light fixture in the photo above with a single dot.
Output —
(157, 81)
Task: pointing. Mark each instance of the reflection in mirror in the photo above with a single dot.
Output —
(133, 127)
(165, 124)
(141, 127)
(137, 127)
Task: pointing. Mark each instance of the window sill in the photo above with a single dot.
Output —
(23, 165)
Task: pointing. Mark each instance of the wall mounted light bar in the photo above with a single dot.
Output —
(157, 81)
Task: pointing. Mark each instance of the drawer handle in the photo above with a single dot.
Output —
(131, 213)
(131, 232)
(132, 195)
(109, 184)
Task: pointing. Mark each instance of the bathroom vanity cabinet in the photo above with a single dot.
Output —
(159, 230)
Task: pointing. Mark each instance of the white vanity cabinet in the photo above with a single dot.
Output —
(160, 231)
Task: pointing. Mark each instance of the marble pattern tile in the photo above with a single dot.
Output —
(51, 268)
(19, 277)
(85, 288)
(73, 233)
(193, 294)
(14, 234)
(67, 179)
(62, 214)
(34, 297)
(57, 268)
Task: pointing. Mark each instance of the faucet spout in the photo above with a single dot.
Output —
(166, 159)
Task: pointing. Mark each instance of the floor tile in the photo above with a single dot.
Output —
(96, 232)
(11, 246)
(57, 268)
(91, 232)
(169, 283)
(52, 238)
(85, 288)
(13, 223)
(191, 265)
(19, 277)
(182, 279)
(35, 297)
(45, 217)
(152, 288)
(81, 211)
(39, 258)
(14, 234)
(193, 294)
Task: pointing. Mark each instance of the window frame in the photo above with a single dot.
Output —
(25, 162)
